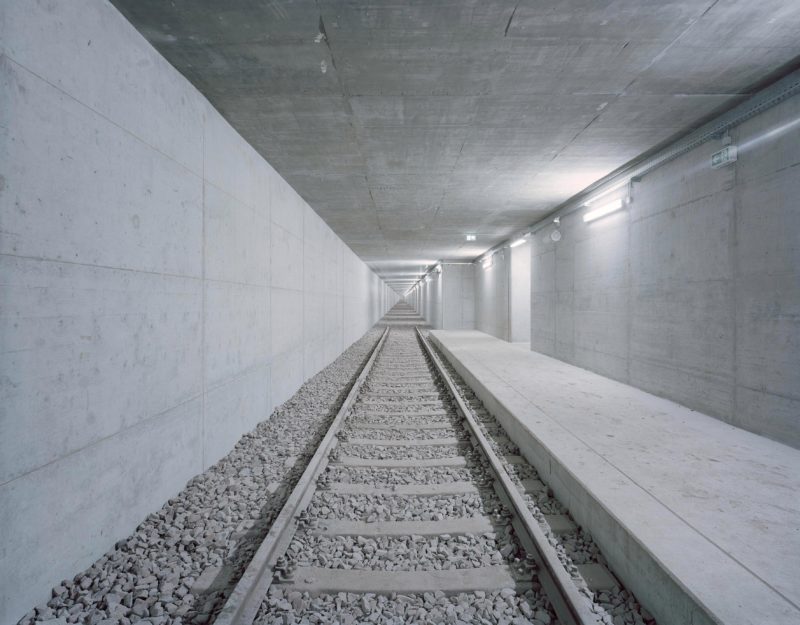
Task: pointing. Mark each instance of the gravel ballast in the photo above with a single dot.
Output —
(404, 553)
(390, 477)
(361, 420)
(373, 508)
(402, 435)
(384, 452)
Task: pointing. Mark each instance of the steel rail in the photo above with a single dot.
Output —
(570, 606)
(242, 606)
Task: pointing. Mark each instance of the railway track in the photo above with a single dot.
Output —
(414, 509)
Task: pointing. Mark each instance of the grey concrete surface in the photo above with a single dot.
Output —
(406, 125)
(162, 289)
(432, 300)
(451, 581)
(458, 296)
(519, 295)
(698, 518)
(492, 296)
(692, 291)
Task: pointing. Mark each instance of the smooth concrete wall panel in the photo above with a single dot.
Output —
(161, 289)
(313, 333)
(70, 333)
(313, 316)
(235, 406)
(434, 287)
(492, 297)
(287, 314)
(332, 324)
(692, 292)
(681, 335)
(458, 296)
(118, 224)
(238, 238)
(333, 302)
(287, 259)
(468, 295)
(451, 298)
(519, 286)
(431, 302)
(767, 267)
(237, 328)
(543, 296)
(601, 305)
(237, 307)
(91, 55)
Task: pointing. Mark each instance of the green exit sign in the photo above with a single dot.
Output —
(725, 156)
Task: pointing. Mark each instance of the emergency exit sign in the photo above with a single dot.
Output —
(725, 156)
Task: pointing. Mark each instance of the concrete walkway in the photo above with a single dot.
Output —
(700, 519)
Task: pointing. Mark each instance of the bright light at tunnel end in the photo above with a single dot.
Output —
(605, 209)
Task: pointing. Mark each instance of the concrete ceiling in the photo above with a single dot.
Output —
(407, 124)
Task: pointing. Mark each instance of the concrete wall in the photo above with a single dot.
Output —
(447, 299)
(432, 300)
(692, 292)
(458, 296)
(417, 298)
(519, 296)
(412, 299)
(161, 289)
(491, 296)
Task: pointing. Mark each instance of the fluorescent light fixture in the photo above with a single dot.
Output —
(606, 192)
(471, 237)
(604, 210)
(519, 242)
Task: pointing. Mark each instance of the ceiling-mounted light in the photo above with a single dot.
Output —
(519, 241)
(604, 210)
(611, 189)
(471, 237)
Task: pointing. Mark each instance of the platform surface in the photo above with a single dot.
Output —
(716, 506)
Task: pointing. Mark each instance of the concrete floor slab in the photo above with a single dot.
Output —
(316, 579)
(392, 463)
(597, 577)
(701, 520)
(413, 490)
(399, 442)
(560, 523)
(454, 527)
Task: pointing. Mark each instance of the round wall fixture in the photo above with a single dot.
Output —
(555, 235)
